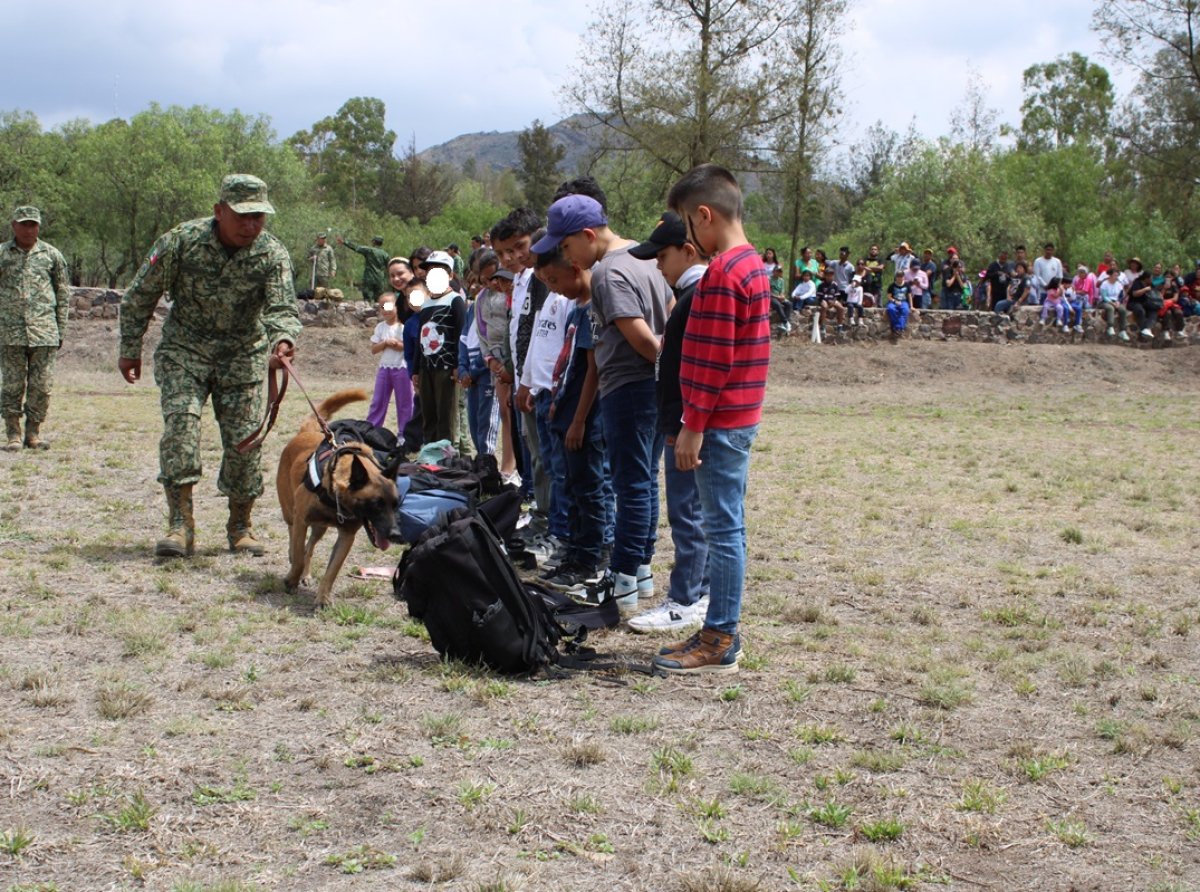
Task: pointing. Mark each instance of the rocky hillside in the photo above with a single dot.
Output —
(499, 150)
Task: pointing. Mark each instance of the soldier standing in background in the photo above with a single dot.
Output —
(233, 313)
(322, 263)
(375, 261)
(35, 297)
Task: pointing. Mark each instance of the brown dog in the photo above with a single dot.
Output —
(351, 491)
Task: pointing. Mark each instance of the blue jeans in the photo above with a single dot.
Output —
(721, 480)
(589, 495)
(551, 446)
(897, 315)
(689, 576)
(634, 448)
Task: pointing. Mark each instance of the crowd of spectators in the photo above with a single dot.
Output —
(904, 281)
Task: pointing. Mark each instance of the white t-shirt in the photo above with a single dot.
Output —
(546, 341)
(390, 358)
(520, 292)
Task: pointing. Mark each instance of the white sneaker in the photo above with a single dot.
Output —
(612, 586)
(1066, 328)
(513, 479)
(1079, 329)
(1124, 336)
(1166, 336)
(670, 615)
(1110, 331)
(645, 582)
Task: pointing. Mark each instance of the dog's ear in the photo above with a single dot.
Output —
(393, 464)
(358, 474)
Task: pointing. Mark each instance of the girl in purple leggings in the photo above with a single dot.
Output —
(392, 378)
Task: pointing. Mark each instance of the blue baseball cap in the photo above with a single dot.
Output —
(567, 216)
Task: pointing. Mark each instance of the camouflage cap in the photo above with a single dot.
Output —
(245, 194)
(27, 213)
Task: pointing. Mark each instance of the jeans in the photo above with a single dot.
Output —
(897, 313)
(634, 447)
(553, 460)
(1111, 309)
(721, 480)
(690, 575)
(588, 495)
(388, 382)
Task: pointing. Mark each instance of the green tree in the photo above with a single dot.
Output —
(346, 153)
(538, 173)
(1067, 102)
(412, 188)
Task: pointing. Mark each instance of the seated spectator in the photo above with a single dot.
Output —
(1109, 302)
(805, 292)
(854, 301)
(1171, 314)
(898, 307)
(832, 299)
(778, 305)
(1055, 302)
(1187, 302)
(1144, 302)
(1018, 290)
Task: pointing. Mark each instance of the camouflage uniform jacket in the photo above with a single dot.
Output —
(227, 312)
(35, 295)
(326, 261)
(375, 260)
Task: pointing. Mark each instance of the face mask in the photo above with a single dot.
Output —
(437, 280)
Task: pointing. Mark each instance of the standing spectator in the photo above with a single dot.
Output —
(375, 260)
(1045, 268)
(872, 286)
(919, 284)
(1110, 302)
(723, 377)
(322, 261)
(1105, 265)
(933, 273)
(996, 280)
(629, 310)
(770, 261)
(442, 316)
(952, 280)
(903, 258)
(460, 262)
(492, 312)
(234, 314)
(843, 269)
(392, 381)
(35, 297)
(806, 261)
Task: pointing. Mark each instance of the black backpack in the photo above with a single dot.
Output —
(458, 581)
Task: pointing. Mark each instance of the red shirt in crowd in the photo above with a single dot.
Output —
(727, 343)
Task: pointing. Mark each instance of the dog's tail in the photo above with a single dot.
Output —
(328, 406)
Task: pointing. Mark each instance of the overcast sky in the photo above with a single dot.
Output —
(454, 67)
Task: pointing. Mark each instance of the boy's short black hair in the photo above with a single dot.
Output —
(486, 258)
(553, 257)
(521, 221)
(708, 184)
(1020, 248)
(583, 186)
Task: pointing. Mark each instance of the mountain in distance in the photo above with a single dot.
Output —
(500, 151)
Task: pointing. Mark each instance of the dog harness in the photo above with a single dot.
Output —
(320, 462)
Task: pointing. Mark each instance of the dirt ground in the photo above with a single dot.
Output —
(971, 625)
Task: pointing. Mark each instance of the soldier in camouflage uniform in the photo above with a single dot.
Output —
(233, 314)
(35, 296)
(375, 261)
(322, 263)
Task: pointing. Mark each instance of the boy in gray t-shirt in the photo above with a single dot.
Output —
(629, 312)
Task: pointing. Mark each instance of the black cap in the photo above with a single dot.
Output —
(669, 232)
(502, 273)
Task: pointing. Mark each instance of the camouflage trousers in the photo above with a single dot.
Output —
(238, 409)
(28, 376)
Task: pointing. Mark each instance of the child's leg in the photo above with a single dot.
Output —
(401, 384)
(377, 414)
(689, 576)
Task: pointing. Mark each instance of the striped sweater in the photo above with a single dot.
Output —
(727, 343)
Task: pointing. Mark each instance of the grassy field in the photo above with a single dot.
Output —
(972, 631)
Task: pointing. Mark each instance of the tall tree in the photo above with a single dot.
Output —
(414, 189)
(684, 81)
(538, 173)
(346, 153)
(1067, 102)
(974, 123)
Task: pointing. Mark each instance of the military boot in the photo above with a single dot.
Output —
(180, 540)
(12, 428)
(241, 536)
(32, 440)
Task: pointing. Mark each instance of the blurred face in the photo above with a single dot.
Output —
(387, 308)
(673, 261)
(1048, 251)
(514, 253)
(25, 234)
(1158, 269)
(486, 273)
(806, 255)
(400, 276)
(236, 230)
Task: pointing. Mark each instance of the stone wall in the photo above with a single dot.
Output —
(928, 325)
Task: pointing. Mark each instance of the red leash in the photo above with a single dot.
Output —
(277, 380)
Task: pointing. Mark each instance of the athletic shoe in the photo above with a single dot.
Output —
(610, 586)
(557, 559)
(1124, 336)
(1079, 329)
(571, 576)
(1110, 331)
(541, 547)
(1146, 333)
(1066, 328)
(669, 616)
(708, 651)
(513, 479)
(645, 582)
(1166, 336)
